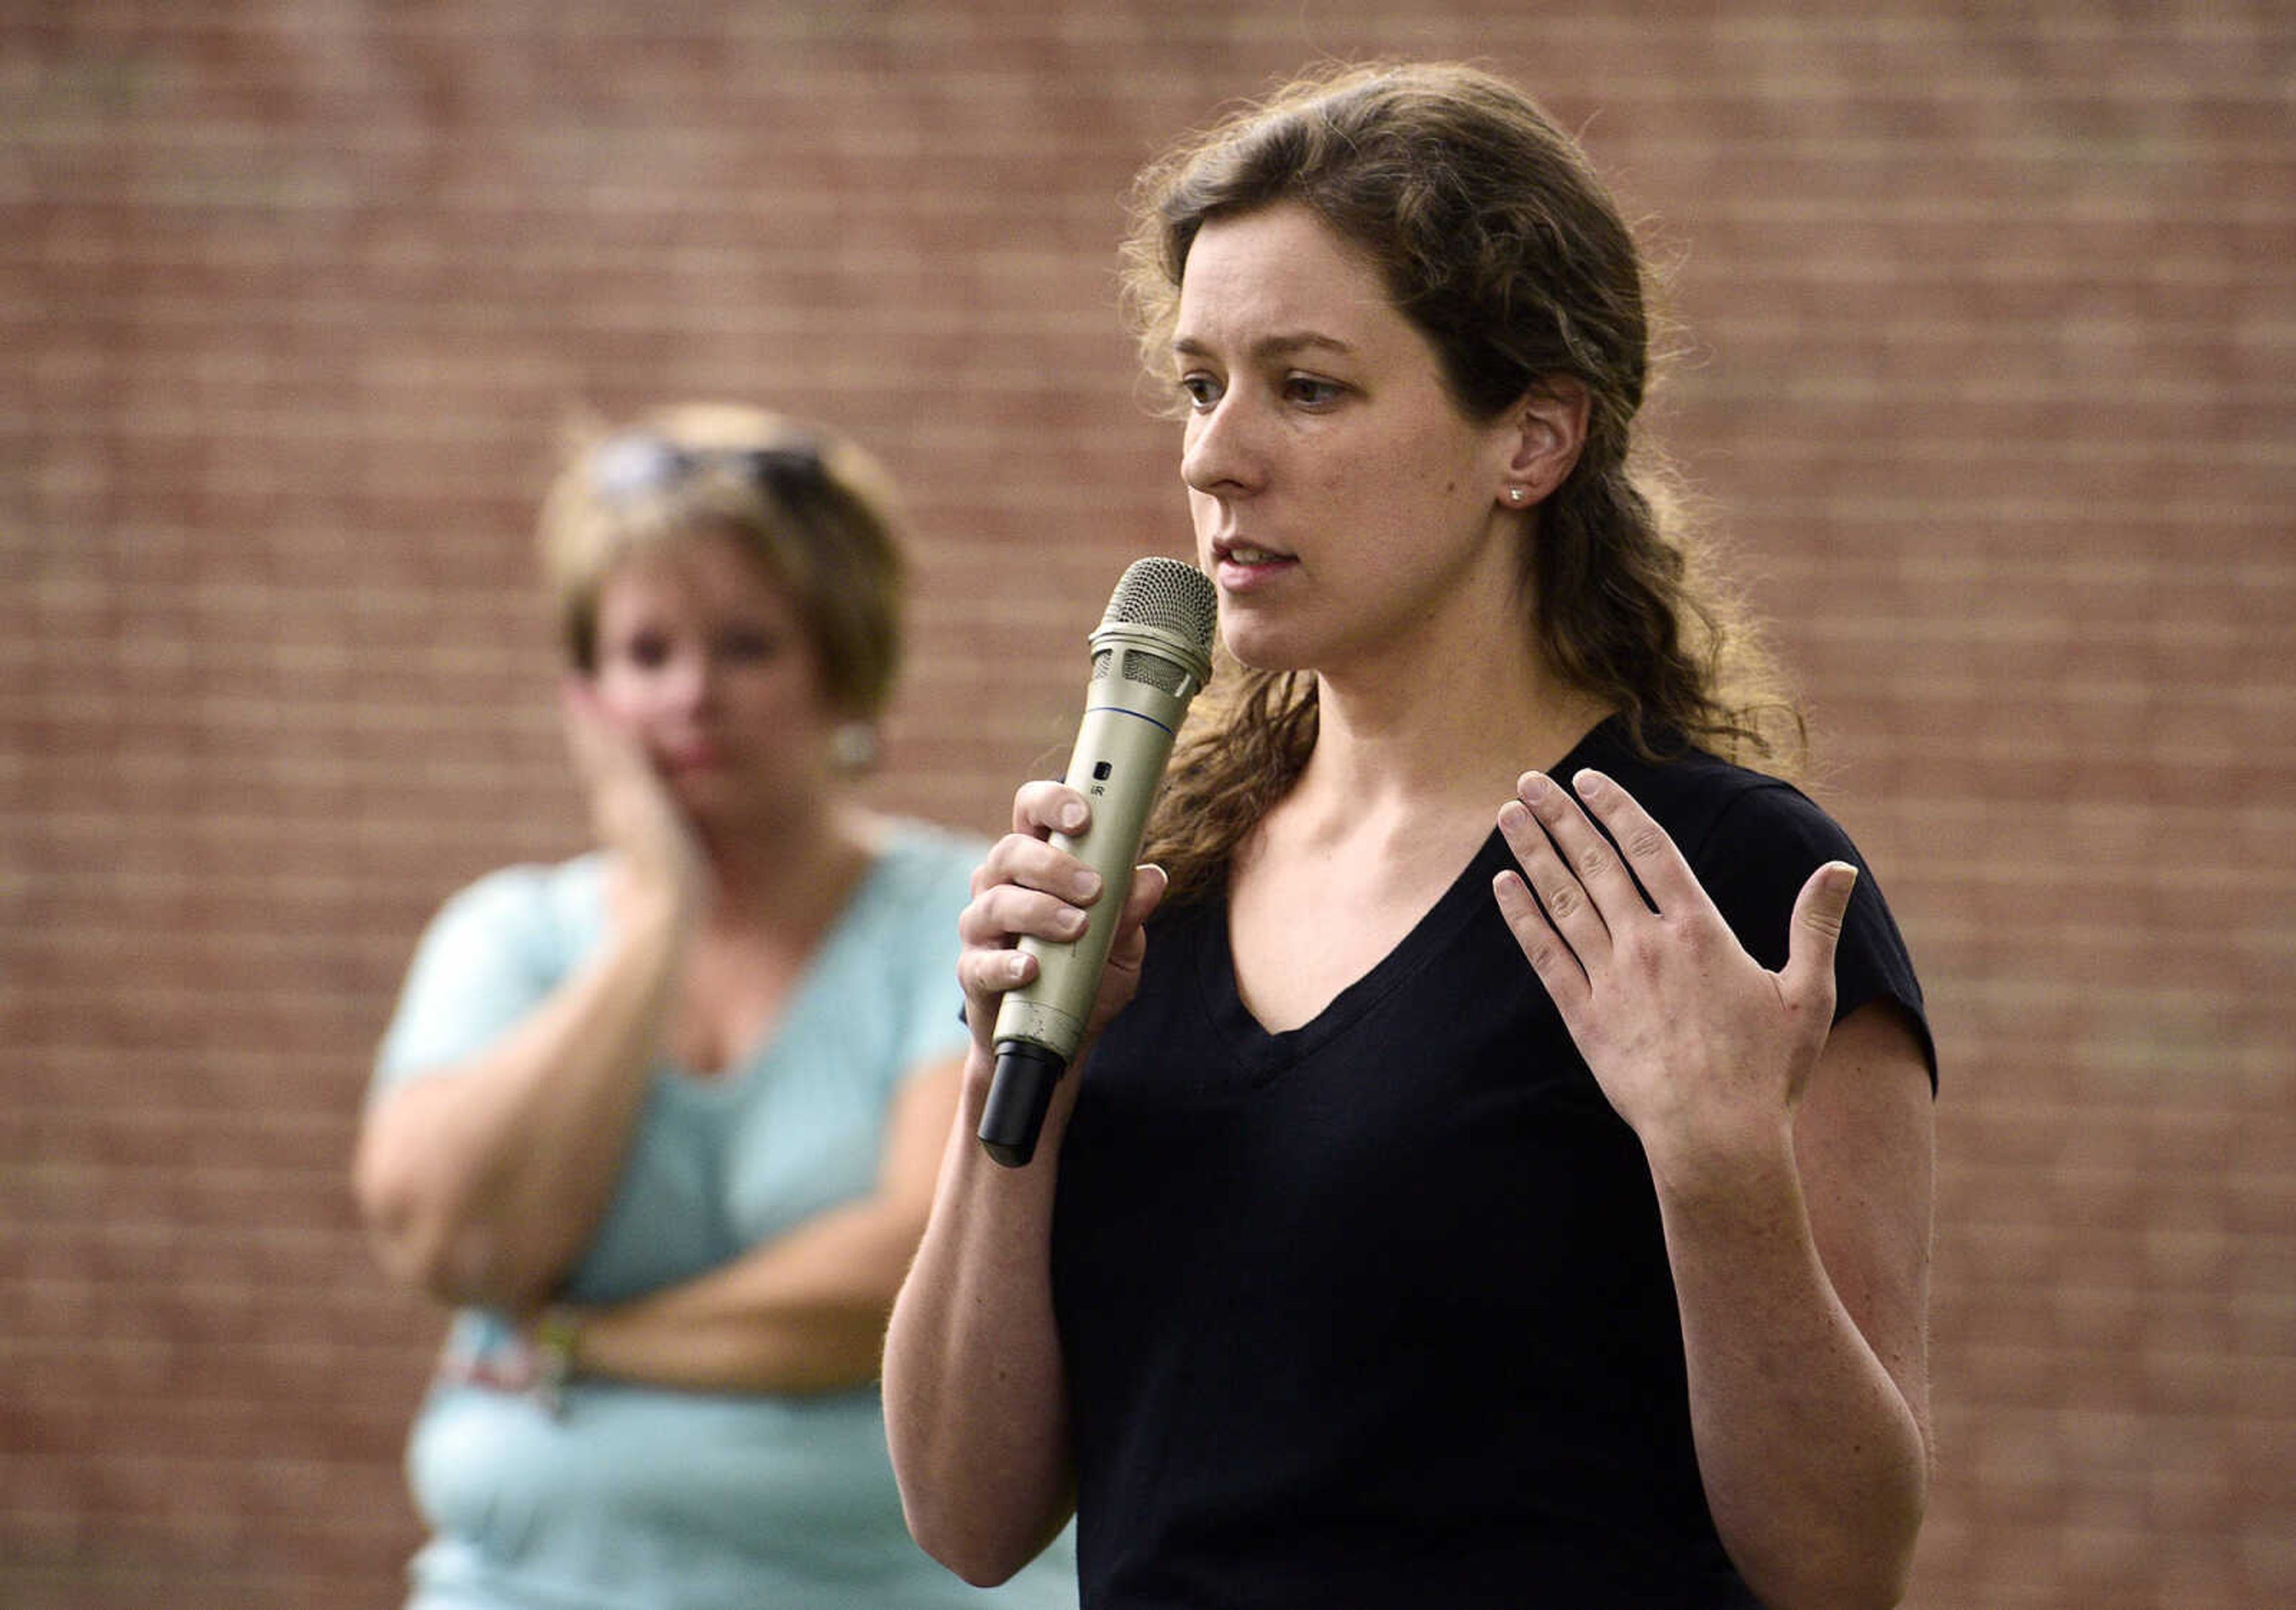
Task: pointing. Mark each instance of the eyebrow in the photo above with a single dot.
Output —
(1278, 346)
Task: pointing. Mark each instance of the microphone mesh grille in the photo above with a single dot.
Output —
(1154, 669)
(1166, 593)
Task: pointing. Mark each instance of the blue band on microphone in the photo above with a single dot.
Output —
(1136, 715)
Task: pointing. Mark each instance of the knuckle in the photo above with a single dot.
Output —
(1645, 841)
(1639, 954)
(981, 923)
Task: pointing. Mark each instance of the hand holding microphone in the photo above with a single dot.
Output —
(1149, 655)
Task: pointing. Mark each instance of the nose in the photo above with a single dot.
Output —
(688, 680)
(1221, 457)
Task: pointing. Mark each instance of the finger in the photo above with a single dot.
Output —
(1130, 944)
(1568, 909)
(1006, 911)
(585, 711)
(1555, 963)
(1656, 861)
(1048, 807)
(575, 695)
(1812, 935)
(1149, 883)
(1562, 906)
(1593, 859)
(1590, 860)
(990, 929)
(600, 745)
(578, 717)
(985, 974)
(1036, 863)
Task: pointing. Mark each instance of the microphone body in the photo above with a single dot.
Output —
(1151, 655)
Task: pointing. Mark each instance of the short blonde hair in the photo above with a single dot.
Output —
(810, 507)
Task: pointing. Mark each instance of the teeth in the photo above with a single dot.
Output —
(1251, 556)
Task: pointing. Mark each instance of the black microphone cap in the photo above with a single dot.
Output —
(1018, 1098)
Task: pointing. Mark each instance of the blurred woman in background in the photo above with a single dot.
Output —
(661, 1123)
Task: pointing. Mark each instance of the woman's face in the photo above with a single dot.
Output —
(1346, 509)
(703, 661)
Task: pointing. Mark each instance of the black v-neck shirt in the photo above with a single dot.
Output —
(1376, 1311)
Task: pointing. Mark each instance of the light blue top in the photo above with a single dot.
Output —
(642, 1498)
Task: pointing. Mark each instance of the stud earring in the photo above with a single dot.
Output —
(853, 746)
(1515, 494)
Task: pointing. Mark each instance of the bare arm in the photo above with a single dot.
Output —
(480, 1182)
(1792, 1171)
(1803, 1284)
(805, 1312)
(976, 1396)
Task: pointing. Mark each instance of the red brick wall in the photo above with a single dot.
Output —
(1992, 383)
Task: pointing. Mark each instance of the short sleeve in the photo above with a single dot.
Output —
(487, 959)
(1761, 849)
(938, 887)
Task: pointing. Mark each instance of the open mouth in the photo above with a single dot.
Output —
(1235, 561)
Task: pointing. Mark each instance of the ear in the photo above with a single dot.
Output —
(1543, 434)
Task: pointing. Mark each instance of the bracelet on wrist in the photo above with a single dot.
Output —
(556, 1334)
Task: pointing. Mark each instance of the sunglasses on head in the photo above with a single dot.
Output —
(628, 466)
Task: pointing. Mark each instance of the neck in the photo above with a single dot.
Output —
(785, 871)
(1450, 736)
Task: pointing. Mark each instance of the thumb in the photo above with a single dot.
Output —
(581, 721)
(1815, 931)
(1149, 882)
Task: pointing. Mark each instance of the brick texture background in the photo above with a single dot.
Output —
(1992, 314)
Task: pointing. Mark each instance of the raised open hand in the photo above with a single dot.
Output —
(1700, 1048)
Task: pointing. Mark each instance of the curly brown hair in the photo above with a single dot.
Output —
(1500, 243)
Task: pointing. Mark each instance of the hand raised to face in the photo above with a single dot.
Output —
(632, 810)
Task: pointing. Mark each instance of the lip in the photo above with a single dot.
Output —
(1234, 574)
(694, 758)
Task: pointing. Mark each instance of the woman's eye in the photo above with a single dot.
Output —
(1307, 389)
(1202, 390)
(748, 645)
(648, 650)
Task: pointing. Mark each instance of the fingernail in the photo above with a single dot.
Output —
(1590, 783)
(1072, 816)
(1533, 786)
(1071, 922)
(1086, 884)
(1016, 967)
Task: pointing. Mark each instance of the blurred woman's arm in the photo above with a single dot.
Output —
(481, 1183)
(805, 1312)
(482, 1180)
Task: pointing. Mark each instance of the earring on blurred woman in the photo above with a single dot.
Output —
(853, 746)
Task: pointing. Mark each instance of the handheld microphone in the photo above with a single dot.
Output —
(1149, 655)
